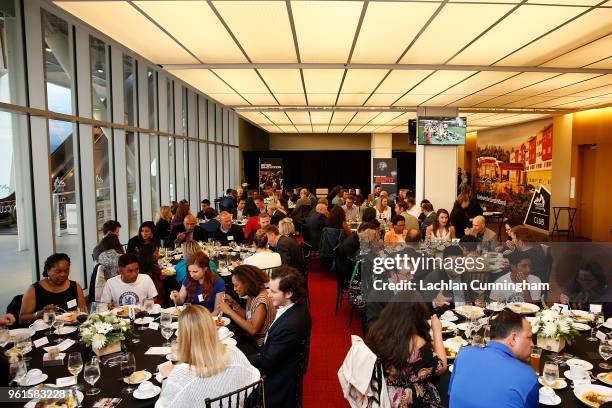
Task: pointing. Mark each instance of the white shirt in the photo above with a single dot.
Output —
(512, 296)
(415, 211)
(120, 293)
(264, 260)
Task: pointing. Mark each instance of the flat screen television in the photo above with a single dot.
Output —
(447, 131)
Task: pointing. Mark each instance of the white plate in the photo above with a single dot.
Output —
(523, 307)
(456, 345)
(155, 393)
(143, 320)
(227, 336)
(601, 377)
(495, 306)
(224, 319)
(581, 316)
(18, 333)
(65, 330)
(568, 375)
(35, 380)
(557, 401)
(581, 326)
(451, 317)
(230, 341)
(580, 390)
(39, 325)
(148, 376)
(559, 384)
(156, 310)
(608, 324)
(582, 363)
(476, 311)
(450, 368)
(463, 326)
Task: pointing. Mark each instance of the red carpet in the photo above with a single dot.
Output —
(330, 342)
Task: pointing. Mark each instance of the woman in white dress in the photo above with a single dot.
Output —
(440, 230)
(383, 212)
(207, 368)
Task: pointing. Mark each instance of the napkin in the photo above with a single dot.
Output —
(158, 351)
(63, 346)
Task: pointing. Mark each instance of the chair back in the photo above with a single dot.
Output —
(91, 289)
(269, 271)
(14, 308)
(251, 396)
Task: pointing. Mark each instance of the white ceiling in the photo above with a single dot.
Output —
(537, 36)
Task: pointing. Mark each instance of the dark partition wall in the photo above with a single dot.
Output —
(315, 169)
(406, 169)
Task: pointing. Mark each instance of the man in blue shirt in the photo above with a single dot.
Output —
(497, 375)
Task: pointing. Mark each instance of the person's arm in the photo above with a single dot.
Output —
(81, 299)
(107, 296)
(533, 398)
(438, 343)
(131, 245)
(254, 325)
(28, 312)
(428, 233)
(230, 307)
(218, 301)
(7, 319)
(284, 254)
(180, 296)
(452, 232)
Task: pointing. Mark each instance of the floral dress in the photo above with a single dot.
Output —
(411, 387)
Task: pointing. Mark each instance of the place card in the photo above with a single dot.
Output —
(59, 361)
(41, 342)
(66, 381)
(63, 346)
(158, 351)
(560, 307)
(71, 303)
(601, 335)
(154, 325)
(595, 309)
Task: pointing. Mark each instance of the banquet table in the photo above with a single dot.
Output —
(580, 348)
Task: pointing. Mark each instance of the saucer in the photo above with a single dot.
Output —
(449, 317)
(557, 401)
(582, 363)
(559, 384)
(34, 381)
(154, 393)
(144, 320)
(568, 375)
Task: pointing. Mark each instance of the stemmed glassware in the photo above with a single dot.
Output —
(24, 345)
(49, 319)
(75, 365)
(167, 332)
(91, 374)
(605, 351)
(128, 366)
(57, 325)
(18, 370)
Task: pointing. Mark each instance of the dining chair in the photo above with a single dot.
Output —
(251, 396)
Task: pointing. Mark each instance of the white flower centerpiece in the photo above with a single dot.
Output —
(104, 332)
(553, 330)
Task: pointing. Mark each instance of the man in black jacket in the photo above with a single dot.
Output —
(284, 356)
(187, 231)
(286, 247)
(315, 222)
(228, 232)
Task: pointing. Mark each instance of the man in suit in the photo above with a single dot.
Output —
(239, 212)
(486, 237)
(401, 208)
(286, 247)
(228, 203)
(284, 356)
(277, 213)
(428, 212)
(315, 222)
(187, 231)
(228, 232)
(211, 224)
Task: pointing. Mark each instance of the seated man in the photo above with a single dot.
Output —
(129, 287)
(497, 375)
(487, 238)
(187, 231)
(520, 272)
(284, 355)
(203, 206)
(351, 210)
(443, 299)
(398, 233)
(211, 224)
(286, 247)
(401, 208)
(239, 212)
(228, 232)
(315, 223)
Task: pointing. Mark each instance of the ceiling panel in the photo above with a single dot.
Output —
(195, 25)
(287, 128)
(320, 118)
(557, 101)
(256, 117)
(583, 86)
(517, 29)
(440, 81)
(413, 99)
(278, 117)
(606, 63)
(384, 117)
(271, 129)
(335, 129)
(304, 128)
(479, 81)
(261, 27)
(299, 118)
(402, 119)
(590, 102)
(367, 129)
(260, 99)
(363, 117)
(579, 32)
(352, 129)
(385, 33)
(342, 117)
(321, 99)
(453, 28)
(203, 80)
(151, 42)
(291, 99)
(500, 101)
(229, 99)
(519, 81)
(585, 55)
(602, 90)
(319, 128)
(553, 83)
(352, 99)
(283, 80)
(567, 2)
(399, 81)
(242, 80)
(325, 29)
(323, 80)
(472, 100)
(362, 80)
(529, 101)
(382, 99)
(444, 99)
(384, 129)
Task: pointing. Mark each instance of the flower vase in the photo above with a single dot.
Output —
(111, 348)
(551, 344)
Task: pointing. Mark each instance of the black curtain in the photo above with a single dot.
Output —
(406, 169)
(316, 169)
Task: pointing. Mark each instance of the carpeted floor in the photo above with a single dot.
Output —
(330, 342)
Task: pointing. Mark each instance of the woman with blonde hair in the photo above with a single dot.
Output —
(206, 367)
(286, 227)
(162, 223)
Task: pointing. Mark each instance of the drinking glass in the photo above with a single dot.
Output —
(167, 332)
(18, 370)
(24, 345)
(536, 354)
(57, 325)
(75, 365)
(128, 366)
(165, 319)
(148, 305)
(91, 374)
(486, 333)
(550, 373)
(49, 319)
(605, 351)
(4, 334)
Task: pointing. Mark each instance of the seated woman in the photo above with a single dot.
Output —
(201, 286)
(440, 230)
(207, 368)
(147, 235)
(190, 248)
(164, 217)
(410, 355)
(264, 257)
(383, 212)
(252, 224)
(255, 320)
(588, 286)
(108, 260)
(54, 292)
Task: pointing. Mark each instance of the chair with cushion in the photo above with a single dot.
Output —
(251, 396)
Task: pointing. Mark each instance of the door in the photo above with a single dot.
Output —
(587, 190)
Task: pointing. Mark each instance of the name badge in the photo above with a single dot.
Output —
(601, 335)
(71, 303)
(230, 237)
(200, 298)
(41, 342)
(154, 325)
(248, 315)
(595, 309)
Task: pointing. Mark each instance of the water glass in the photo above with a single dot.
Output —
(91, 374)
(57, 325)
(24, 345)
(550, 373)
(18, 370)
(167, 332)
(4, 334)
(49, 319)
(165, 319)
(148, 305)
(605, 351)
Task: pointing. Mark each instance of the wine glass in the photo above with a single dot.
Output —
(24, 345)
(4, 334)
(128, 366)
(18, 370)
(550, 373)
(75, 365)
(57, 325)
(167, 332)
(91, 374)
(605, 351)
(165, 319)
(49, 319)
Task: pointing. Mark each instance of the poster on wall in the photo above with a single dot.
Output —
(514, 175)
(385, 174)
(270, 174)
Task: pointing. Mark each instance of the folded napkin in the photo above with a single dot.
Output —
(63, 346)
(159, 351)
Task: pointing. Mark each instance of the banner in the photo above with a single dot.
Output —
(514, 175)
(385, 174)
(270, 174)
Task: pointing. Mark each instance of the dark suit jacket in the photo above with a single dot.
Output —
(289, 252)
(315, 224)
(277, 216)
(427, 222)
(210, 226)
(234, 231)
(284, 356)
(198, 234)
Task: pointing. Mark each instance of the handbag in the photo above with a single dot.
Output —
(355, 297)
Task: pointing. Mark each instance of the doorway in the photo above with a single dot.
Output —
(586, 180)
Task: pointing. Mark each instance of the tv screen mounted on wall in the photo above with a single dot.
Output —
(446, 131)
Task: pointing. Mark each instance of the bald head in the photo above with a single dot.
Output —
(321, 208)
(479, 224)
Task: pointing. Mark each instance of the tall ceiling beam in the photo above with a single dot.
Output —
(390, 109)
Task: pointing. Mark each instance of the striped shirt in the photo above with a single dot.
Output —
(252, 305)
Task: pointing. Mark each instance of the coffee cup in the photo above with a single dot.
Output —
(577, 371)
(33, 375)
(547, 395)
(146, 387)
(223, 332)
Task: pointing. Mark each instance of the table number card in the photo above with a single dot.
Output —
(596, 309)
(561, 308)
(41, 342)
(601, 336)
(154, 325)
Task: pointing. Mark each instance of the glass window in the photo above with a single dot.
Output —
(58, 63)
(129, 86)
(172, 167)
(12, 86)
(98, 55)
(133, 187)
(102, 155)
(170, 102)
(154, 152)
(64, 192)
(152, 97)
(186, 167)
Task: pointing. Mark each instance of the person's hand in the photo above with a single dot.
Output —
(441, 300)
(564, 299)
(180, 237)
(166, 370)
(7, 319)
(225, 307)
(230, 301)
(467, 231)
(174, 296)
(436, 325)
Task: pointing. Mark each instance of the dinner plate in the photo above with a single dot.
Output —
(155, 392)
(582, 363)
(173, 310)
(581, 326)
(34, 381)
(144, 320)
(581, 390)
(20, 333)
(450, 368)
(455, 343)
(476, 311)
(496, 306)
(39, 325)
(558, 385)
(448, 327)
(65, 330)
(581, 316)
(449, 317)
(156, 310)
(608, 323)
(523, 307)
(602, 377)
(147, 376)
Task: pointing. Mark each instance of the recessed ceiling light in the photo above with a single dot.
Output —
(48, 49)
